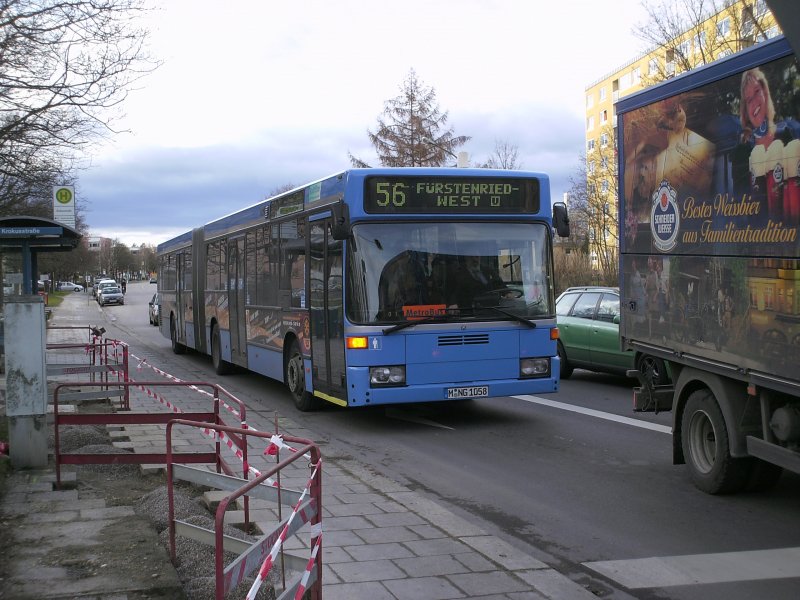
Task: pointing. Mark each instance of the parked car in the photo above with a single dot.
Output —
(104, 283)
(153, 309)
(67, 286)
(153, 280)
(99, 282)
(588, 323)
(110, 295)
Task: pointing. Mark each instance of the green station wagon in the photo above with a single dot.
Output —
(588, 324)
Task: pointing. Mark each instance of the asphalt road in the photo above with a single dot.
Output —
(574, 478)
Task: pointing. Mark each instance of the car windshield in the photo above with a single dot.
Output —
(400, 272)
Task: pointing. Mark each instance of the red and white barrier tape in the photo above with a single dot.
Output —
(277, 442)
(273, 554)
(310, 565)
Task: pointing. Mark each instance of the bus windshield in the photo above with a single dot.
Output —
(403, 271)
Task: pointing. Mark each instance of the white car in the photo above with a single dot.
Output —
(66, 286)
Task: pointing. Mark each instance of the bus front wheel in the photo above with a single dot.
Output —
(221, 367)
(295, 378)
(566, 368)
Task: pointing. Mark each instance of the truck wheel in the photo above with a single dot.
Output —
(654, 369)
(566, 368)
(222, 367)
(295, 378)
(177, 347)
(704, 440)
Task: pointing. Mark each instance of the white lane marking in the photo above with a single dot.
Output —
(693, 569)
(596, 413)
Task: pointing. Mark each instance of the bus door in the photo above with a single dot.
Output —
(237, 317)
(327, 311)
(180, 313)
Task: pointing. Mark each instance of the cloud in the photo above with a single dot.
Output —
(138, 195)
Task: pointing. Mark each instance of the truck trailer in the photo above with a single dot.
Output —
(709, 213)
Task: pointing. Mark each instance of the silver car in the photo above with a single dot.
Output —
(110, 295)
(153, 309)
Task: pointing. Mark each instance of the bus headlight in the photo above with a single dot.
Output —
(387, 376)
(534, 367)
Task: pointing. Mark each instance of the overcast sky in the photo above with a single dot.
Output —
(253, 95)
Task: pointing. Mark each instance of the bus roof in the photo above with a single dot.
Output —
(325, 191)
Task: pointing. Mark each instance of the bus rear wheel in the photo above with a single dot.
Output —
(221, 367)
(295, 378)
(706, 448)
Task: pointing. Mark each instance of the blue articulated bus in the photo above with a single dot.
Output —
(377, 286)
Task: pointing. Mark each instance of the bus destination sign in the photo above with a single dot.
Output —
(450, 195)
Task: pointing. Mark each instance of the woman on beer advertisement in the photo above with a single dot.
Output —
(773, 159)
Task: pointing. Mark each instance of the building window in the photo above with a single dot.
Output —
(761, 8)
(636, 76)
(604, 189)
(603, 117)
(602, 94)
(625, 81)
(684, 48)
(589, 123)
(604, 162)
(589, 145)
(700, 41)
(724, 53)
(589, 100)
(652, 66)
(747, 25)
(590, 166)
(724, 27)
(603, 140)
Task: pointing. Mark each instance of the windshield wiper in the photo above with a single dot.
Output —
(513, 316)
(443, 318)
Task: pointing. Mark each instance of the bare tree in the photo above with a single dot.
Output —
(505, 156)
(690, 33)
(593, 206)
(65, 68)
(411, 131)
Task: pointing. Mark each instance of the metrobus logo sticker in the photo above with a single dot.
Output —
(415, 312)
(665, 219)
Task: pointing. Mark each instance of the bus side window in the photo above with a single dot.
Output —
(298, 281)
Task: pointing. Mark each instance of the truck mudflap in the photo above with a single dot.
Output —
(648, 397)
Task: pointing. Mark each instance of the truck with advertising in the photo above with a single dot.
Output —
(709, 215)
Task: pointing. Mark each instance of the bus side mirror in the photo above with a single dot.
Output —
(561, 219)
(340, 223)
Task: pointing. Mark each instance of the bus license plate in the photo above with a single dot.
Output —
(481, 391)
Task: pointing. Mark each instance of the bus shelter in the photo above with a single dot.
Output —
(31, 236)
(23, 336)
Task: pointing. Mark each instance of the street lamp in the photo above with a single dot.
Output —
(462, 158)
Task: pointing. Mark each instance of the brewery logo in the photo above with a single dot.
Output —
(664, 217)
(777, 173)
